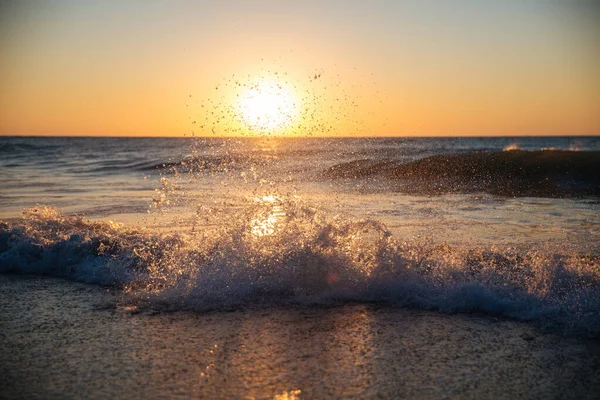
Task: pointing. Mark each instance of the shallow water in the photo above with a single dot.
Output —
(67, 340)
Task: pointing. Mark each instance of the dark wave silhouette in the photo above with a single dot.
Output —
(208, 163)
(542, 173)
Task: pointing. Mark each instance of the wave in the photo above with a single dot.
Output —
(291, 254)
(540, 173)
(221, 163)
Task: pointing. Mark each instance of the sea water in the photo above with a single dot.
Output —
(220, 223)
(508, 226)
(500, 227)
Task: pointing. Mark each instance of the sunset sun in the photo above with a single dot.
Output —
(267, 106)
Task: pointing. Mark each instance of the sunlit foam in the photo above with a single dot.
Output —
(264, 225)
(291, 395)
(309, 258)
(266, 199)
(265, 222)
(511, 147)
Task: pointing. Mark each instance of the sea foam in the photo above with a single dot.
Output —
(285, 253)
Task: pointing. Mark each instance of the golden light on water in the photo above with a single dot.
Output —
(265, 223)
(267, 106)
(291, 395)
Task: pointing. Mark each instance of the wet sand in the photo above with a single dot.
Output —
(61, 339)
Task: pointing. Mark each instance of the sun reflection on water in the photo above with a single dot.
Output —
(291, 395)
(266, 222)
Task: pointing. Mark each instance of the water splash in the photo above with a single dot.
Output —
(280, 252)
(511, 147)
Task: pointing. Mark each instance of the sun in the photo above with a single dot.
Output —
(267, 106)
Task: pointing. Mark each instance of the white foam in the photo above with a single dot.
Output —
(302, 257)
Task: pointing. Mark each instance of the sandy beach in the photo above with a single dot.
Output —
(63, 339)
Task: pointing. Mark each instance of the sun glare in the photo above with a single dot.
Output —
(267, 107)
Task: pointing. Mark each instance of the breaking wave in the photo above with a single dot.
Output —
(540, 173)
(285, 253)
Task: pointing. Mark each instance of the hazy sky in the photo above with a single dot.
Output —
(513, 67)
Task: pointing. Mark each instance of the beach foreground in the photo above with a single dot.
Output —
(63, 339)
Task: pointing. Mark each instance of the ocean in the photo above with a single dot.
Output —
(300, 267)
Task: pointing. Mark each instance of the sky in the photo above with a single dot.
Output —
(364, 68)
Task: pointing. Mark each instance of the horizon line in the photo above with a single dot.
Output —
(297, 136)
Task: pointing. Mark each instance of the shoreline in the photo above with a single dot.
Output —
(61, 340)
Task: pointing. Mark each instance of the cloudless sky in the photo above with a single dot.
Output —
(514, 67)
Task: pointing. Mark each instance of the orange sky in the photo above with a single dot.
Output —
(386, 67)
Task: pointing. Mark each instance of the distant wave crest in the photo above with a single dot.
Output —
(542, 173)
